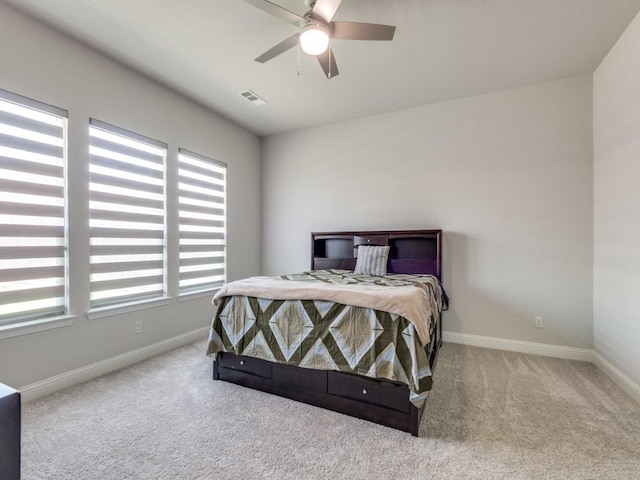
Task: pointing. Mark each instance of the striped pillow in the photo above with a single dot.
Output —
(372, 260)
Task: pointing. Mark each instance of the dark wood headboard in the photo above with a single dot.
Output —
(411, 251)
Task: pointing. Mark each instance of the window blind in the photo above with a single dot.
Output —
(127, 216)
(202, 213)
(33, 264)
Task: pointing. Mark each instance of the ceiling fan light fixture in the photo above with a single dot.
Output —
(314, 39)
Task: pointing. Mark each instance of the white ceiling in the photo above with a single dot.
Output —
(443, 49)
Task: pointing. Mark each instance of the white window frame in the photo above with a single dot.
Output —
(128, 141)
(190, 166)
(24, 121)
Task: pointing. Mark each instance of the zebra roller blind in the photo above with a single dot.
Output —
(127, 216)
(33, 239)
(202, 201)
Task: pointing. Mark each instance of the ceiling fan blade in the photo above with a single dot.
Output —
(282, 47)
(361, 31)
(278, 11)
(328, 63)
(326, 8)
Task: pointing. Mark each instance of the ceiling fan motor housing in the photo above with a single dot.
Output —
(314, 36)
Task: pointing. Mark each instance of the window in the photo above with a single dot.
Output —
(126, 217)
(202, 192)
(33, 239)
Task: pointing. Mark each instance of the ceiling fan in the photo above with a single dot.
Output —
(317, 29)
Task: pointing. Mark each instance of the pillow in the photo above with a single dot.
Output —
(372, 260)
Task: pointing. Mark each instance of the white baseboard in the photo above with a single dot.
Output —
(83, 374)
(617, 376)
(569, 353)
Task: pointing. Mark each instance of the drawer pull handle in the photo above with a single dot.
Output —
(241, 362)
(368, 240)
(364, 391)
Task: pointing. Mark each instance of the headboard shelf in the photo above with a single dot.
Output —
(411, 251)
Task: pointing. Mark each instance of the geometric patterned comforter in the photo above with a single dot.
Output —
(325, 335)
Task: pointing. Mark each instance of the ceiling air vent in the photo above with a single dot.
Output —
(252, 98)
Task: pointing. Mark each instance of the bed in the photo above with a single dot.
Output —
(338, 336)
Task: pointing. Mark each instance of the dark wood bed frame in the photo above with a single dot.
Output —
(380, 401)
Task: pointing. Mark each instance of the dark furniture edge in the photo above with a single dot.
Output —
(10, 430)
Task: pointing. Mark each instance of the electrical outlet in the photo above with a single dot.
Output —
(137, 327)
(538, 322)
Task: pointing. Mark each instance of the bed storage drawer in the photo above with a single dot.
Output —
(375, 392)
(255, 366)
(301, 377)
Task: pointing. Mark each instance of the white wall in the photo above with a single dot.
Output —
(616, 131)
(39, 63)
(506, 176)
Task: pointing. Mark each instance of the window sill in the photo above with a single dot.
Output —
(200, 293)
(109, 311)
(25, 328)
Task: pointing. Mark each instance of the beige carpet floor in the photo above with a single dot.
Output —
(491, 415)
